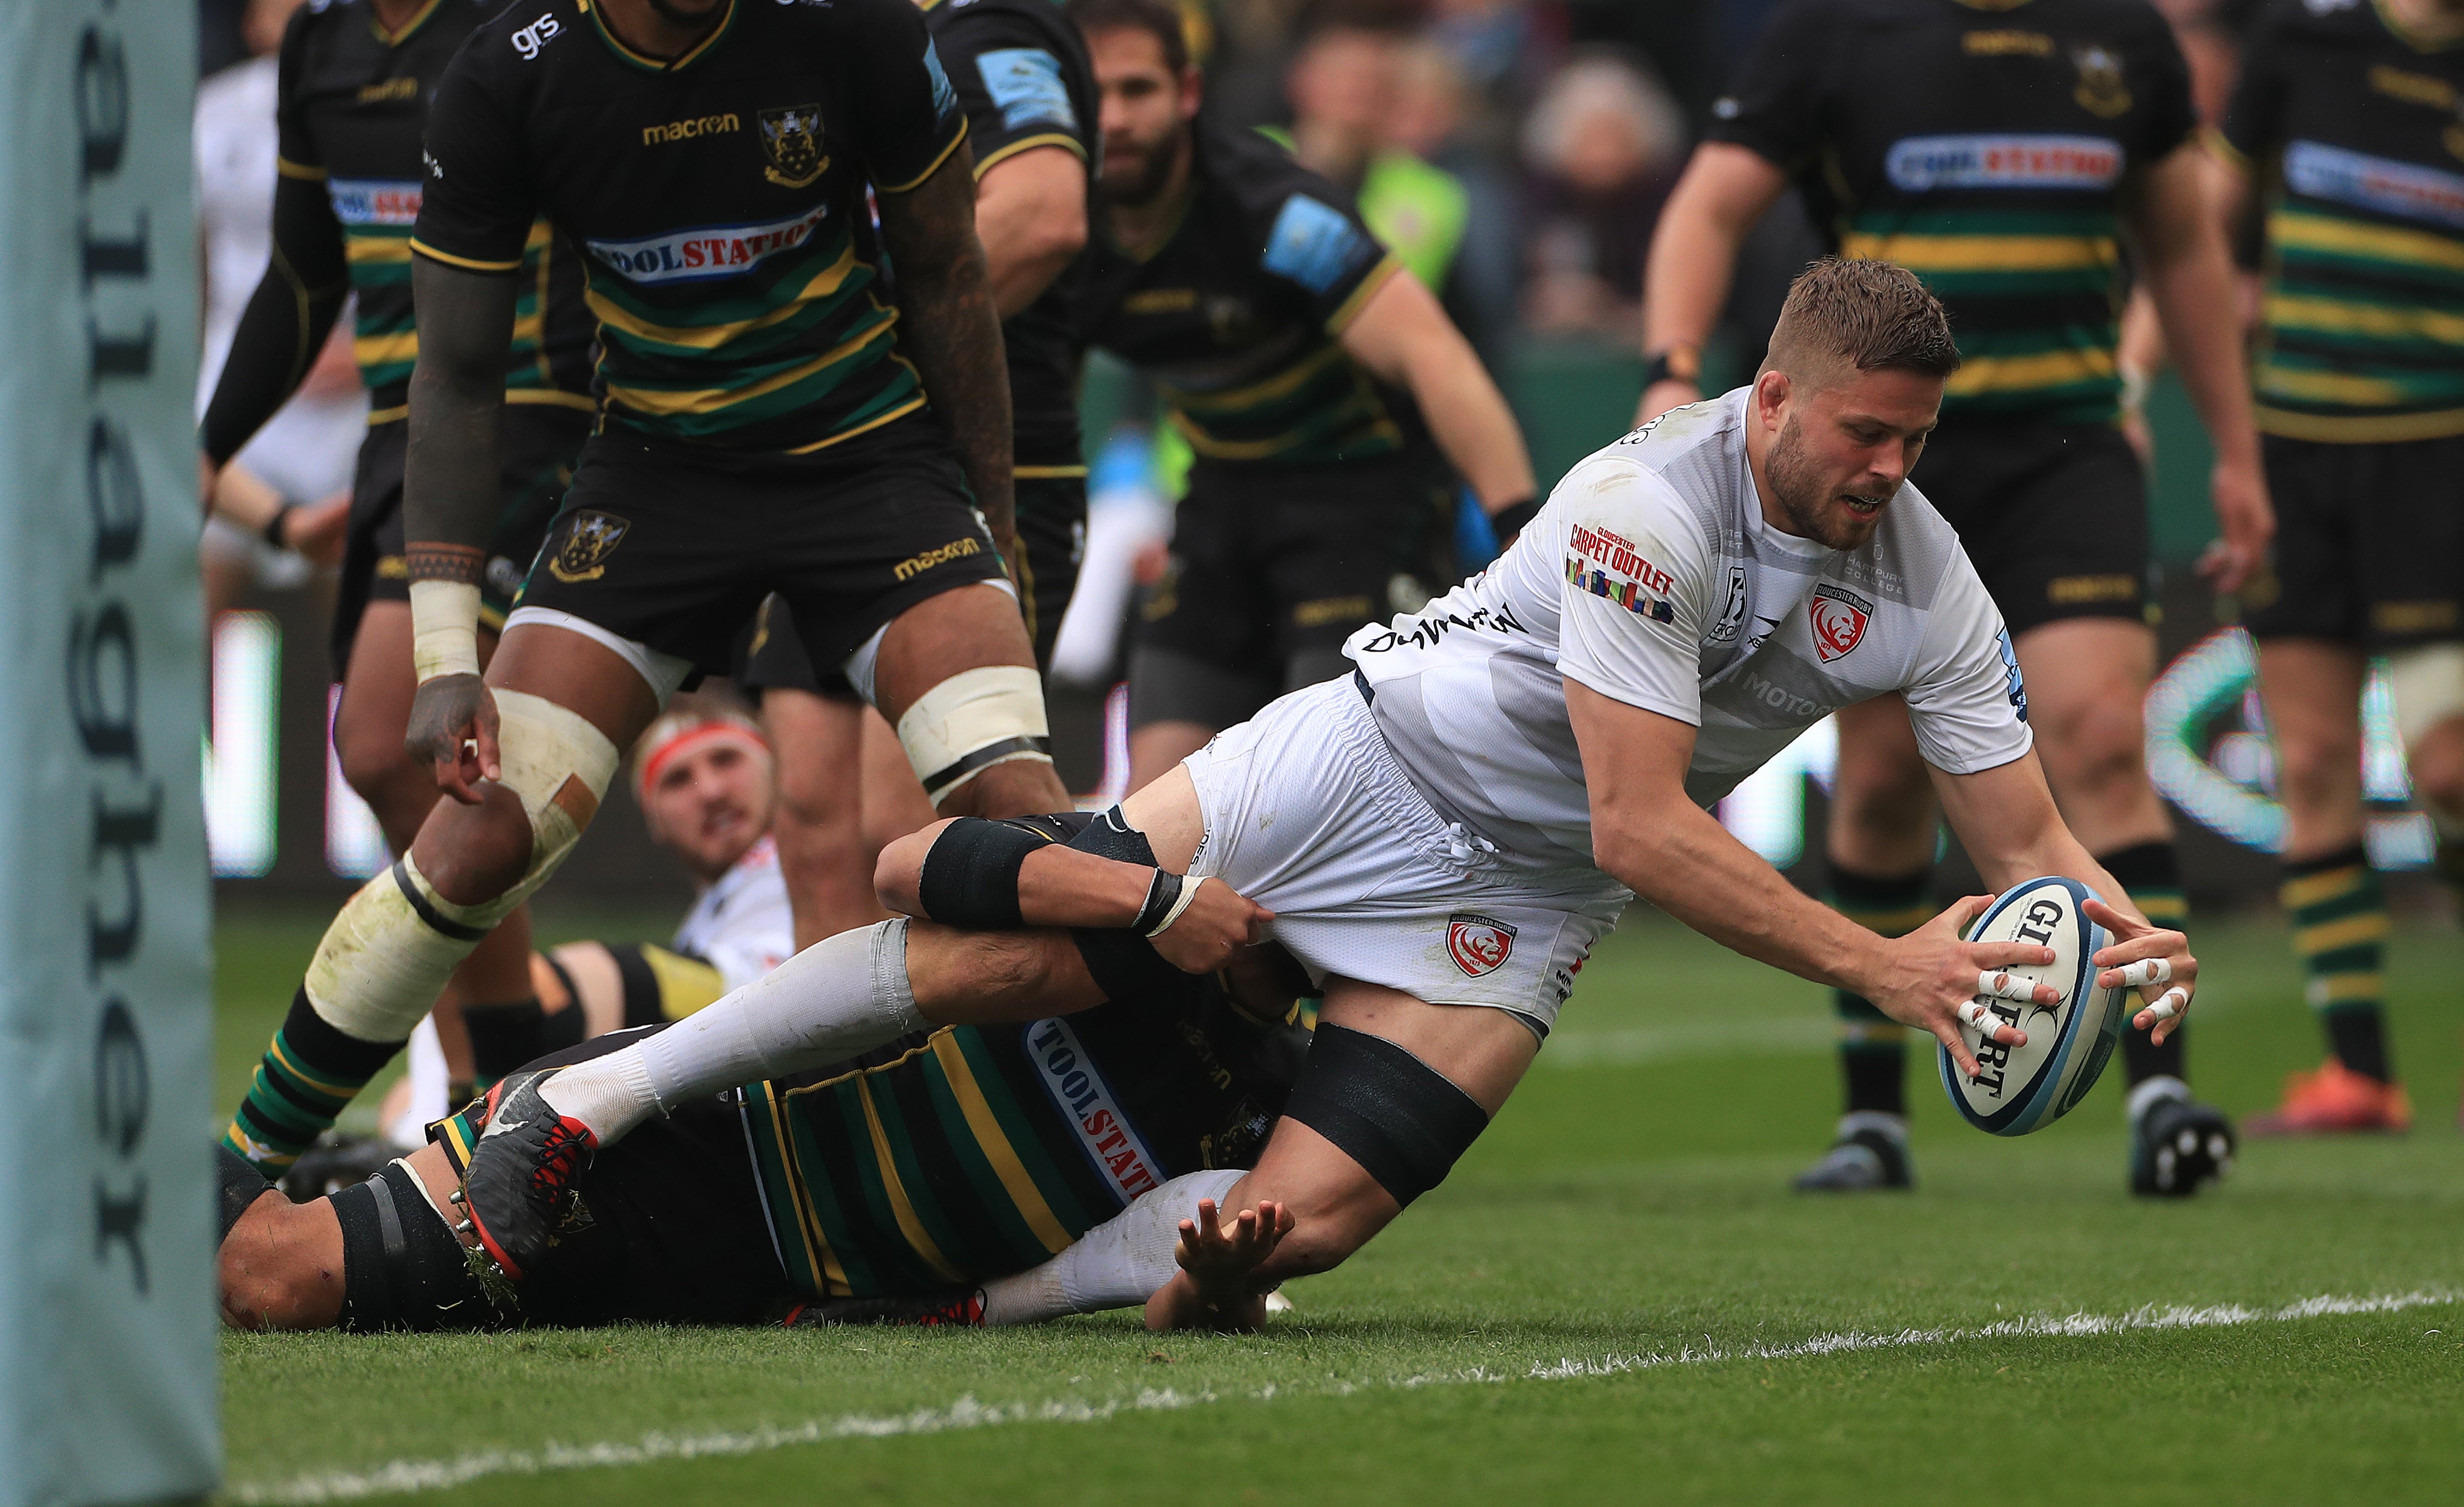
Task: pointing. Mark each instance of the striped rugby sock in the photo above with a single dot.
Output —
(2339, 929)
(1872, 1058)
(2150, 874)
(309, 1072)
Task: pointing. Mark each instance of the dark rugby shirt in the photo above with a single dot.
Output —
(1023, 79)
(2358, 133)
(1983, 147)
(1236, 314)
(353, 101)
(719, 200)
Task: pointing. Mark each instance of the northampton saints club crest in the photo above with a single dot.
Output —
(2101, 90)
(589, 540)
(1478, 944)
(791, 138)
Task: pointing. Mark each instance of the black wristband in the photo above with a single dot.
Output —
(1673, 363)
(1163, 892)
(271, 532)
(1511, 519)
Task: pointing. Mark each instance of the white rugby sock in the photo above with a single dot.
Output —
(836, 998)
(1119, 1263)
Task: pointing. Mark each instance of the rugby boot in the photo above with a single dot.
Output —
(2335, 1101)
(950, 1309)
(1871, 1154)
(522, 1172)
(336, 1162)
(2176, 1144)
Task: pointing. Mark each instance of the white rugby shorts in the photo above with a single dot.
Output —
(1308, 813)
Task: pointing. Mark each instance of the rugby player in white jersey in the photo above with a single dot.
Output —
(1442, 838)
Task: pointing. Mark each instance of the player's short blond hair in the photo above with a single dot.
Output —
(1844, 317)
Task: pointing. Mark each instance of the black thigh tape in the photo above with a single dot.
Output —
(240, 1186)
(401, 1268)
(1388, 1111)
(970, 875)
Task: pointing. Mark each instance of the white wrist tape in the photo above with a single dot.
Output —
(444, 628)
(1188, 893)
(2149, 971)
(2173, 1002)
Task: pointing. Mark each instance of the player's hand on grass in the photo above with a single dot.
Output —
(1218, 1264)
(454, 731)
(1218, 923)
(1928, 975)
(2246, 521)
(2146, 957)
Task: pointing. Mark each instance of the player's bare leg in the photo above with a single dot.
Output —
(2087, 679)
(1159, 746)
(823, 851)
(2312, 689)
(894, 802)
(368, 727)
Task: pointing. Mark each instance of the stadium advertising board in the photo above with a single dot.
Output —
(107, 1312)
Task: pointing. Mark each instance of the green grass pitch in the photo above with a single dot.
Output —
(1614, 1298)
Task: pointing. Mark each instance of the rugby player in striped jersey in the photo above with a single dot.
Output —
(2013, 154)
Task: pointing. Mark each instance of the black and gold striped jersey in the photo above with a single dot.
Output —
(1236, 311)
(1023, 79)
(352, 106)
(718, 197)
(2356, 133)
(1985, 145)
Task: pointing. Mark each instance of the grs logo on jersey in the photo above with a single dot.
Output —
(716, 252)
(1839, 617)
(1921, 163)
(1314, 244)
(2012, 685)
(1478, 944)
(369, 201)
(1732, 613)
(945, 100)
(1025, 83)
(537, 34)
(791, 138)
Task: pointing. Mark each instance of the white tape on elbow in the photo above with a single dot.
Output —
(2428, 685)
(973, 720)
(444, 628)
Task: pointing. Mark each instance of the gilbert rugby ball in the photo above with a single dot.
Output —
(2024, 1088)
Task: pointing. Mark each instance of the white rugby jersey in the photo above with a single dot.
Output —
(741, 925)
(1652, 578)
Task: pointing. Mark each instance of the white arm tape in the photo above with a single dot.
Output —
(1188, 893)
(2147, 972)
(1996, 984)
(444, 628)
(2173, 1002)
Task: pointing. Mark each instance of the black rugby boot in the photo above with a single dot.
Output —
(522, 1172)
(2176, 1144)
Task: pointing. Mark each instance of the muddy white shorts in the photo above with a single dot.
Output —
(1308, 813)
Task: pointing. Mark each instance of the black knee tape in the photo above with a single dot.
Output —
(971, 873)
(241, 1184)
(1388, 1111)
(401, 1268)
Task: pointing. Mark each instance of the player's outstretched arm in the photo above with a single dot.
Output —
(1402, 334)
(1215, 1287)
(1656, 841)
(2006, 819)
(1725, 190)
(953, 330)
(450, 503)
(286, 320)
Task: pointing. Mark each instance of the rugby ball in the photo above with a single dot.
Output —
(2024, 1088)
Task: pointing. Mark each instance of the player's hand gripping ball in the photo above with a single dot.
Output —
(2024, 1088)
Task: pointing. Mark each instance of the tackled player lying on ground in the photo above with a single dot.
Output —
(1442, 838)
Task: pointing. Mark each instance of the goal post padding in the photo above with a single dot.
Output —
(107, 1311)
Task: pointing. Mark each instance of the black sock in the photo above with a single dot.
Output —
(310, 1071)
(2339, 927)
(242, 1184)
(503, 1037)
(2151, 876)
(2359, 1040)
(1873, 1059)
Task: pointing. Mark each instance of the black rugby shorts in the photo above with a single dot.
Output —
(674, 546)
(2054, 515)
(2369, 543)
(541, 444)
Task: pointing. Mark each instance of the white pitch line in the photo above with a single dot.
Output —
(414, 1475)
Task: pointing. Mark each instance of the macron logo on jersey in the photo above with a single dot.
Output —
(2317, 171)
(371, 201)
(721, 250)
(1079, 1092)
(1921, 163)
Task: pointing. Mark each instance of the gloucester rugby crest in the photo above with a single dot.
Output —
(1478, 944)
(1839, 617)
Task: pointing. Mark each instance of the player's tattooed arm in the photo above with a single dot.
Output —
(953, 330)
(450, 504)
